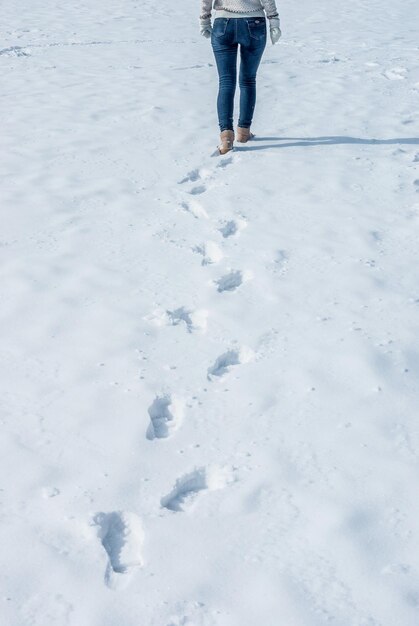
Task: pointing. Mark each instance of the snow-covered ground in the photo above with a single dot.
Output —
(209, 366)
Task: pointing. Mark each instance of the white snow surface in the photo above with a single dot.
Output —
(209, 365)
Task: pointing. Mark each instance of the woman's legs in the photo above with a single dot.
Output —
(225, 52)
(252, 46)
(227, 33)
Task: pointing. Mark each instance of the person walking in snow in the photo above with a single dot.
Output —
(238, 22)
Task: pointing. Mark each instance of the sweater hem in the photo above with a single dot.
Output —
(234, 14)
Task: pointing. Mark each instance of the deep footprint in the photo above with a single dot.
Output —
(232, 227)
(122, 537)
(196, 191)
(187, 488)
(166, 414)
(229, 359)
(230, 282)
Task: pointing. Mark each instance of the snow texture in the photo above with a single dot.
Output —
(209, 365)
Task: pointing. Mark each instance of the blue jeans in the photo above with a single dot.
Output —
(227, 34)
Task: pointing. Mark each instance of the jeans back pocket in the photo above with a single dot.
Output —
(219, 26)
(257, 27)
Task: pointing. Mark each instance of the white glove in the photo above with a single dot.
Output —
(205, 26)
(274, 29)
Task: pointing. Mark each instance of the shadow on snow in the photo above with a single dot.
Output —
(307, 142)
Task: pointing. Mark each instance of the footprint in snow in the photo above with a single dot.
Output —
(196, 191)
(280, 262)
(122, 537)
(211, 252)
(229, 359)
(166, 414)
(195, 208)
(225, 162)
(232, 227)
(15, 51)
(187, 488)
(193, 320)
(191, 177)
(232, 280)
(195, 175)
(395, 73)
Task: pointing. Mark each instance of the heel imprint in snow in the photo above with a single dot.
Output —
(229, 359)
(166, 414)
(188, 488)
(122, 537)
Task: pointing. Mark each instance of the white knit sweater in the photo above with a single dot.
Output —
(239, 6)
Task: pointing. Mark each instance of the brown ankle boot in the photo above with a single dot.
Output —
(244, 134)
(226, 139)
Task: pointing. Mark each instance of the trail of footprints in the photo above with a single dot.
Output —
(120, 532)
